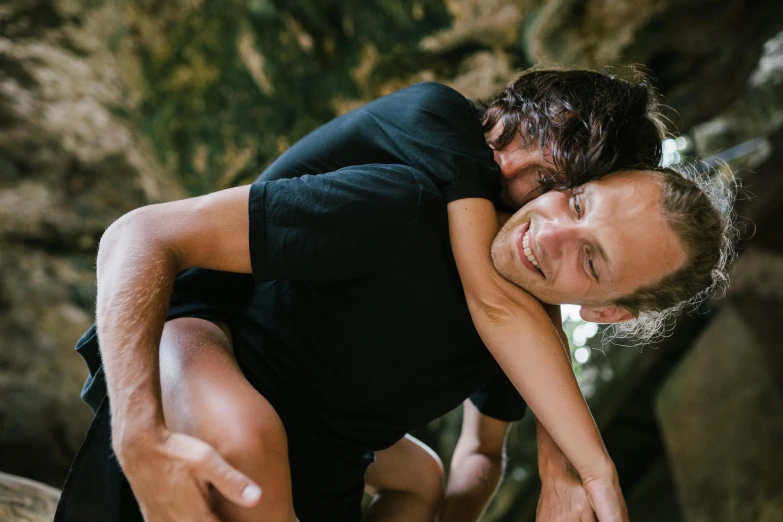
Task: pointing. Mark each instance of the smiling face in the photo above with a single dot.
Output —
(523, 168)
(590, 245)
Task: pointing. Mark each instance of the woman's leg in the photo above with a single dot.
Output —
(406, 481)
(205, 395)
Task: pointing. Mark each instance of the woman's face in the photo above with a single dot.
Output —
(524, 168)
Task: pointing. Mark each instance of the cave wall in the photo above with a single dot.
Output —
(109, 105)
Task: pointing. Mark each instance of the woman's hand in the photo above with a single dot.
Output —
(606, 498)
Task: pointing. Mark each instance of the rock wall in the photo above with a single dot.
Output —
(108, 105)
(71, 161)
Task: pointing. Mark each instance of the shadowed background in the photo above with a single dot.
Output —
(107, 105)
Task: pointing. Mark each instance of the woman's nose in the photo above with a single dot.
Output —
(506, 162)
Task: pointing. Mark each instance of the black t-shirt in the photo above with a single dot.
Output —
(434, 129)
(429, 127)
(358, 324)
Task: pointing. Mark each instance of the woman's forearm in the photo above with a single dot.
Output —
(519, 334)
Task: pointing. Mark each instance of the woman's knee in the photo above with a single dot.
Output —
(252, 440)
(206, 395)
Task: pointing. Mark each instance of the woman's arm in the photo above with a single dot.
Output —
(518, 332)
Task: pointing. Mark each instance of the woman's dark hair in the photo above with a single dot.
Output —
(591, 123)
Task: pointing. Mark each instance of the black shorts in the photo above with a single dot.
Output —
(327, 480)
(326, 486)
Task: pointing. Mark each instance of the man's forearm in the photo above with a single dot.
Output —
(551, 461)
(135, 277)
(473, 480)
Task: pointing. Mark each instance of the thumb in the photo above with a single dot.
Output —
(229, 481)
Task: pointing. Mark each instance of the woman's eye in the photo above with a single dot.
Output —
(544, 180)
(531, 129)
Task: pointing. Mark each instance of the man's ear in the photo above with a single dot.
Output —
(605, 314)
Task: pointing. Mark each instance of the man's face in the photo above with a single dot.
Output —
(593, 244)
(523, 168)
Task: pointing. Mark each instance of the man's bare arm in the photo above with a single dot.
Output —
(138, 259)
(476, 466)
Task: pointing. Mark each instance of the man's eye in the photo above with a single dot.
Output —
(543, 179)
(577, 207)
(531, 129)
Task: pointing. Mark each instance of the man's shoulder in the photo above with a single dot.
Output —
(382, 193)
(395, 192)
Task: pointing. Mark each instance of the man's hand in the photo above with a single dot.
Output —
(564, 499)
(171, 475)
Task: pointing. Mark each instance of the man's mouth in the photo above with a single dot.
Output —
(526, 254)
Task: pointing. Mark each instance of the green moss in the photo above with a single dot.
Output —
(201, 91)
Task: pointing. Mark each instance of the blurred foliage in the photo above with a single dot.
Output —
(231, 84)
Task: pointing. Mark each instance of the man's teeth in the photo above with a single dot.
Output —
(528, 252)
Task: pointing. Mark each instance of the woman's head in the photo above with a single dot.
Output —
(555, 128)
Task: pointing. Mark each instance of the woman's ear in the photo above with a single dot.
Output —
(605, 314)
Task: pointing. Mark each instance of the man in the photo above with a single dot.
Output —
(324, 296)
(346, 175)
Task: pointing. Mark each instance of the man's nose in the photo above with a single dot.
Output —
(556, 238)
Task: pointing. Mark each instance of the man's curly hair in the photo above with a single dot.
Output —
(699, 208)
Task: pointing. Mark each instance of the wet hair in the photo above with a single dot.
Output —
(698, 207)
(592, 123)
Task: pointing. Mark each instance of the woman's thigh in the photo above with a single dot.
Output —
(205, 395)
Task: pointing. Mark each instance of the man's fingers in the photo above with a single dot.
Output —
(230, 482)
(588, 517)
(191, 504)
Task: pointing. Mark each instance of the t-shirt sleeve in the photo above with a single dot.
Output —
(498, 399)
(341, 225)
(209, 294)
(427, 126)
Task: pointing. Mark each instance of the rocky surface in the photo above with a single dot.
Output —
(724, 445)
(106, 106)
(23, 500)
(71, 161)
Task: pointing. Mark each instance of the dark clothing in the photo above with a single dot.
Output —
(360, 312)
(427, 126)
(357, 330)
